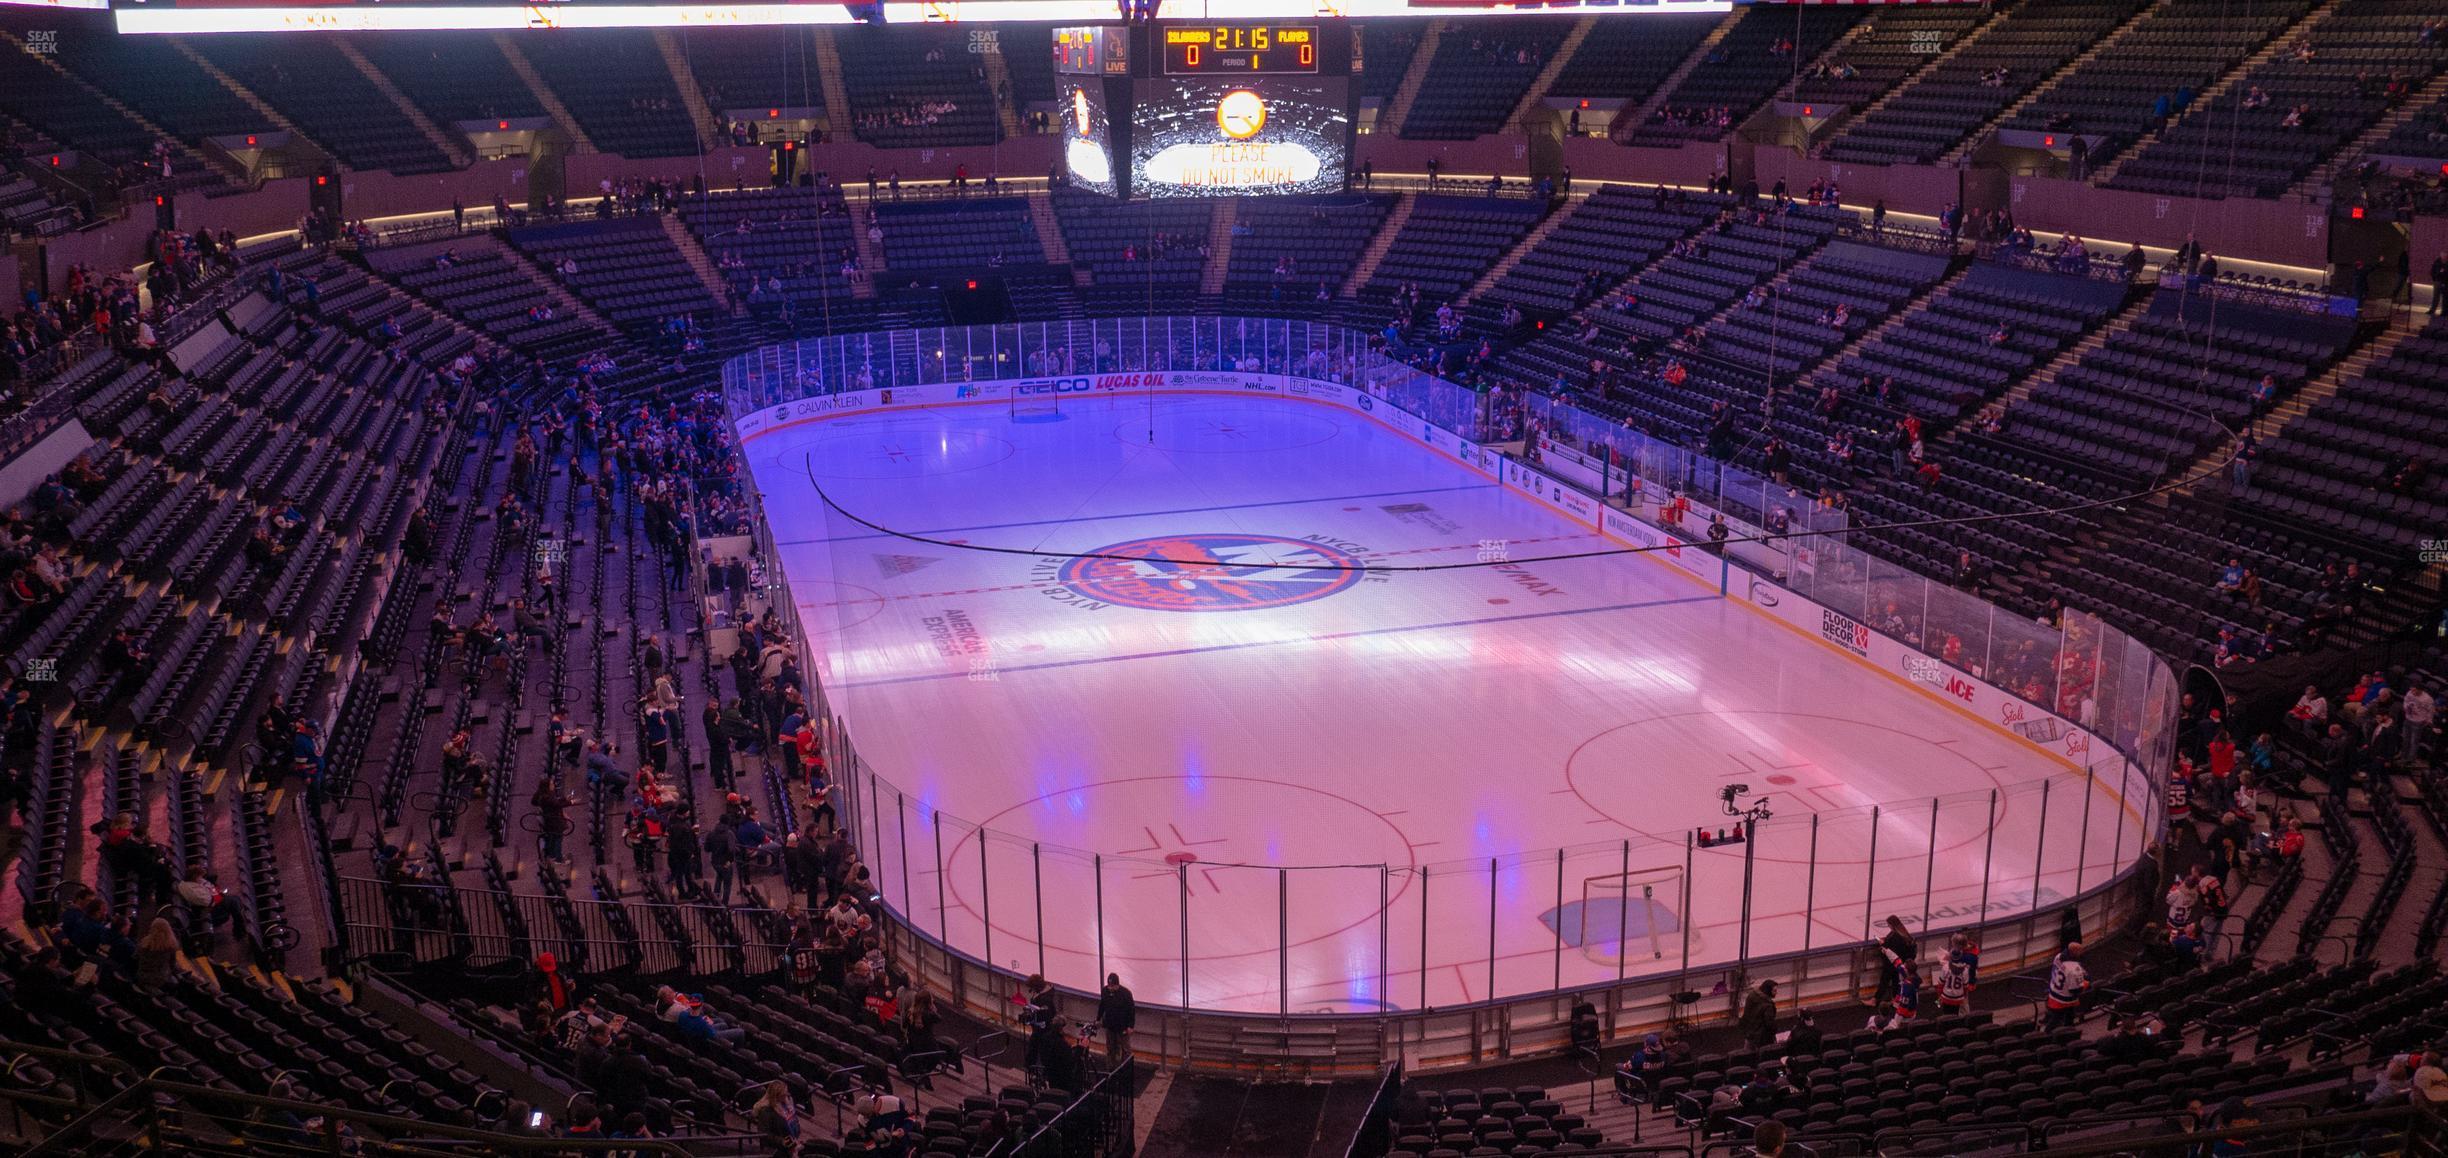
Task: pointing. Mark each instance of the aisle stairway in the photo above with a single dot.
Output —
(543, 93)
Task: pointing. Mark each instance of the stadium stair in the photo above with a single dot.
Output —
(684, 76)
(2386, 931)
(2217, 90)
(1834, 128)
(998, 82)
(698, 259)
(2403, 939)
(253, 101)
(836, 91)
(543, 92)
(1537, 91)
(450, 145)
(1836, 50)
(2357, 360)
(1050, 235)
(1390, 229)
(1981, 133)
(1390, 118)
(1894, 320)
(2316, 185)
(2135, 307)
(1626, 123)
(2098, 337)
(1219, 246)
(1521, 249)
(193, 157)
(871, 261)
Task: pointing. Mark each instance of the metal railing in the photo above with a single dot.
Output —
(1429, 959)
(1100, 1122)
(1423, 924)
(67, 1103)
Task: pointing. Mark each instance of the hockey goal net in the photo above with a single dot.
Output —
(1631, 916)
(1035, 407)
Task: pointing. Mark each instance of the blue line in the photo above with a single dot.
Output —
(1150, 514)
(1527, 615)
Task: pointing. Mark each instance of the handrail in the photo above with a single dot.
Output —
(1376, 1125)
(2417, 1123)
(142, 1093)
(102, 1110)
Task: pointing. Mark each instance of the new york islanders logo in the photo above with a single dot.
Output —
(1212, 572)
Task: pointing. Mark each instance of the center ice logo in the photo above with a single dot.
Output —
(1217, 572)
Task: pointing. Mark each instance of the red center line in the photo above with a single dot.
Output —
(1042, 586)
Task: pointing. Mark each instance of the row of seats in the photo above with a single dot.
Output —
(2358, 48)
(1144, 257)
(321, 89)
(627, 268)
(451, 76)
(1446, 243)
(1479, 72)
(916, 87)
(1283, 248)
(1926, 117)
(1626, 60)
(1764, 49)
(478, 280)
(2173, 52)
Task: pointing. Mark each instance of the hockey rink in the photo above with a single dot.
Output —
(1293, 786)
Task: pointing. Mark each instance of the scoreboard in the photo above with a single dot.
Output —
(1240, 49)
(1183, 108)
(1095, 50)
(1191, 57)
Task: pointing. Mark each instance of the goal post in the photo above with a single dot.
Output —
(1631, 916)
(1035, 407)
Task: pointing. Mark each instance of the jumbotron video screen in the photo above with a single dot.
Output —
(1222, 136)
(1087, 130)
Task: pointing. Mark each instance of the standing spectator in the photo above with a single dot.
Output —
(2183, 901)
(2420, 710)
(718, 745)
(552, 807)
(2067, 982)
(722, 855)
(1897, 947)
(1758, 1020)
(1118, 1013)
(1955, 979)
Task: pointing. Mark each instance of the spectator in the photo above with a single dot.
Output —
(157, 956)
(2311, 711)
(1758, 1019)
(1956, 976)
(776, 1118)
(1118, 1015)
(2067, 982)
(2420, 710)
(201, 903)
(1804, 1038)
(1895, 948)
(2430, 1082)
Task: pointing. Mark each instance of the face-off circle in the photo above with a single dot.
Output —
(1227, 571)
(1166, 835)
